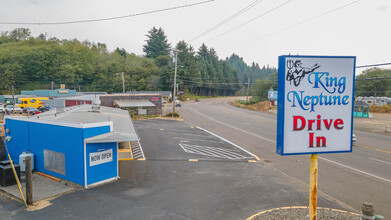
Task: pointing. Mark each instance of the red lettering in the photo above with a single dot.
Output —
(318, 139)
(311, 143)
(337, 124)
(310, 122)
(295, 119)
(326, 124)
(318, 122)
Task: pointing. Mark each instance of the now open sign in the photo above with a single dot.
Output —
(315, 104)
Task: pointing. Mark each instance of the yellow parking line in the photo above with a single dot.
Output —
(125, 159)
(124, 150)
(142, 159)
(372, 148)
(256, 157)
(252, 161)
(193, 160)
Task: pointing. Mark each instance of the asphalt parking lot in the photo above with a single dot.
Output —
(173, 140)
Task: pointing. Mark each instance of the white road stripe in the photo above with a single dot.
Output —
(207, 151)
(380, 160)
(181, 138)
(210, 151)
(267, 139)
(357, 170)
(227, 141)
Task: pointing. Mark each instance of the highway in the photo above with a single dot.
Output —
(346, 178)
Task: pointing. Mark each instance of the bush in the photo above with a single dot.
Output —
(175, 115)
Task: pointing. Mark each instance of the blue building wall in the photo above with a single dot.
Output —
(36, 137)
(50, 93)
(102, 171)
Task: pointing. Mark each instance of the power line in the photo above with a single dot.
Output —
(228, 19)
(372, 65)
(106, 19)
(259, 16)
(305, 21)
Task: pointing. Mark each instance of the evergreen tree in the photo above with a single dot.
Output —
(157, 43)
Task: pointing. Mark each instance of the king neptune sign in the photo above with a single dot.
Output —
(315, 104)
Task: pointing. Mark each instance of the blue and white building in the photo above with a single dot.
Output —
(79, 145)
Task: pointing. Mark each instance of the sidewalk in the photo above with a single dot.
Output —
(43, 188)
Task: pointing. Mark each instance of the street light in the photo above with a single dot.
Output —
(176, 51)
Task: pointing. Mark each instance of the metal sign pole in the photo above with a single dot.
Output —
(313, 186)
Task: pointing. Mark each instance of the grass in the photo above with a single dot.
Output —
(259, 106)
(143, 117)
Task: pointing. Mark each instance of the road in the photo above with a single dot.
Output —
(349, 178)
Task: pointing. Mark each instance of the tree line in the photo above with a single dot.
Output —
(29, 62)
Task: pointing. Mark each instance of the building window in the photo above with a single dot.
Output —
(54, 161)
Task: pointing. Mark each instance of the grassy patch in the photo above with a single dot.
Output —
(380, 108)
(259, 106)
(143, 117)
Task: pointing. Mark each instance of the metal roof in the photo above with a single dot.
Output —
(126, 103)
(123, 128)
(163, 93)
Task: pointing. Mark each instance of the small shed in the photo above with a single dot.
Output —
(361, 109)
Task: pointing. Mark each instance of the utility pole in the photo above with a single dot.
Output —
(248, 87)
(13, 101)
(176, 51)
(52, 85)
(123, 83)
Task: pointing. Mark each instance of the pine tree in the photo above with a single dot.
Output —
(157, 43)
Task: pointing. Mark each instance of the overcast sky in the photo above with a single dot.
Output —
(360, 29)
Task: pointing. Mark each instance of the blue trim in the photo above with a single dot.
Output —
(354, 88)
(325, 152)
(309, 56)
(281, 103)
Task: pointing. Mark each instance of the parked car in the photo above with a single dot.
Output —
(45, 108)
(354, 138)
(178, 105)
(2, 109)
(197, 100)
(10, 108)
(31, 110)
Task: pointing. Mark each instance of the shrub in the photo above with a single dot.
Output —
(175, 115)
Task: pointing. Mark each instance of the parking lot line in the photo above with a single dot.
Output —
(226, 141)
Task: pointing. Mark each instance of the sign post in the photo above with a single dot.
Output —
(313, 186)
(315, 109)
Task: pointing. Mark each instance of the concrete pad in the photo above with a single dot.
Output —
(42, 188)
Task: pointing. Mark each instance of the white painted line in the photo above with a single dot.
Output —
(185, 139)
(206, 152)
(267, 139)
(226, 141)
(357, 170)
(380, 160)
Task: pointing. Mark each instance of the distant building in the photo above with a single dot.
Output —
(166, 95)
(50, 93)
(150, 104)
(374, 100)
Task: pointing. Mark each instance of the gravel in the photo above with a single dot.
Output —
(301, 213)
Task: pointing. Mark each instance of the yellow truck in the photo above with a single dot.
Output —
(32, 102)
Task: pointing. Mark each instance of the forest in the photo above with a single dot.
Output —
(29, 62)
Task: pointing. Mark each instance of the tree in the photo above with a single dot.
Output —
(374, 87)
(157, 43)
